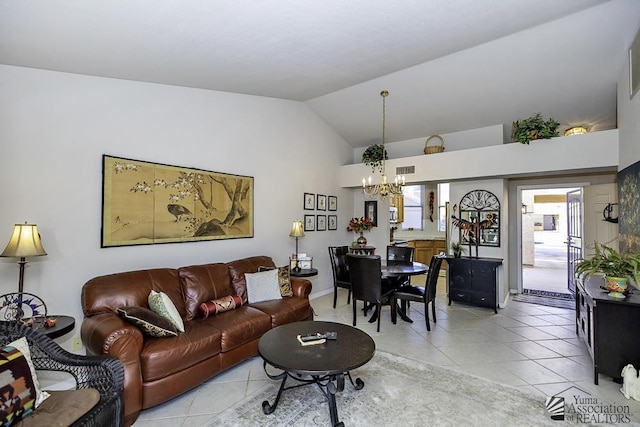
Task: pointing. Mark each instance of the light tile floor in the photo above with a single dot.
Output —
(527, 346)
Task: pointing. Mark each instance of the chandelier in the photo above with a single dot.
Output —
(384, 188)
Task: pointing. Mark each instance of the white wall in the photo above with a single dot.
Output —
(55, 127)
(628, 120)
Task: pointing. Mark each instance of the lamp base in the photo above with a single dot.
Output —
(297, 267)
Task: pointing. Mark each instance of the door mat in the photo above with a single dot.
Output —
(550, 299)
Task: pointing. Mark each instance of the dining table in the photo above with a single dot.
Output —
(396, 269)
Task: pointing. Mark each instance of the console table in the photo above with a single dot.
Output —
(608, 326)
(473, 280)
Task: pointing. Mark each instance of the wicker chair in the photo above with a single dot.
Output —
(103, 373)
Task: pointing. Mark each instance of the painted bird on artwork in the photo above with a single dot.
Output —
(178, 211)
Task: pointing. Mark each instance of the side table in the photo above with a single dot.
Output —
(304, 272)
(64, 325)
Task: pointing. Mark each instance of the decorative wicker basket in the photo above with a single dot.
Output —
(431, 149)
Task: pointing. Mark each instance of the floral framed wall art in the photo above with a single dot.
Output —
(333, 222)
(321, 222)
(371, 211)
(321, 202)
(309, 201)
(309, 223)
(333, 203)
(149, 203)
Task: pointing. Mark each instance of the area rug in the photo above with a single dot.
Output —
(397, 391)
(550, 299)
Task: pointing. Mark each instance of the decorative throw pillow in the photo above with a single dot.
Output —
(21, 392)
(23, 346)
(151, 323)
(162, 304)
(220, 305)
(262, 286)
(283, 280)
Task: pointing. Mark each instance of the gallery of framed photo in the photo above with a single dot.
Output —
(321, 222)
(371, 211)
(333, 203)
(309, 201)
(322, 202)
(309, 223)
(148, 203)
(333, 222)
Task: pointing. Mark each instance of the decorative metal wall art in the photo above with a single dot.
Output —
(479, 220)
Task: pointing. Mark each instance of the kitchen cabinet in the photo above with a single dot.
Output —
(473, 281)
(425, 249)
(608, 326)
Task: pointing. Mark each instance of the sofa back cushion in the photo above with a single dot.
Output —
(238, 268)
(202, 283)
(108, 293)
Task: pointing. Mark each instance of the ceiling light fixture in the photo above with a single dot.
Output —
(576, 130)
(384, 188)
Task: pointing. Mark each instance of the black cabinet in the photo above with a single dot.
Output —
(473, 281)
(610, 327)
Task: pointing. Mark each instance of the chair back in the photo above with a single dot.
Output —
(432, 278)
(399, 255)
(366, 277)
(339, 267)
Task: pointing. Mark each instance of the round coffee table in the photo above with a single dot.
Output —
(323, 364)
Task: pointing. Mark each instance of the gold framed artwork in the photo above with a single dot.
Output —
(149, 203)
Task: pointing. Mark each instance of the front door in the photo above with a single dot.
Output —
(574, 235)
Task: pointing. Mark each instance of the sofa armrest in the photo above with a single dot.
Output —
(108, 333)
(301, 287)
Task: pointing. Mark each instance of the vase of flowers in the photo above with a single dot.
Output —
(360, 225)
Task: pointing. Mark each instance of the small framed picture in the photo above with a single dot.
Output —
(309, 201)
(333, 222)
(371, 211)
(322, 202)
(333, 203)
(321, 222)
(309, 223)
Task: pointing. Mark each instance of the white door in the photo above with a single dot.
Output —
(596, 199)
(574, 235)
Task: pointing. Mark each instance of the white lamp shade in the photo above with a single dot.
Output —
(25, 242)
(296, 229)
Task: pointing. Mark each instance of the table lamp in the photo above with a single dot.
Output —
(25, 242)
(297, 231)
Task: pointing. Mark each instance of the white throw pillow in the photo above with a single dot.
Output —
(160, 303)
(262, 286)
(22, 346)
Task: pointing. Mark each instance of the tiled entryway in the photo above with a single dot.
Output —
(526, 346)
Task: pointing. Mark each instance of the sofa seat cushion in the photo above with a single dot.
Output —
(285, 310)
(161, 357)
(239, 326)
(62, 408)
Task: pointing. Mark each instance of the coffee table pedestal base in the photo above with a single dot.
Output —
(329, 385)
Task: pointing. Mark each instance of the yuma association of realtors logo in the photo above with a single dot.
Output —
(583, 408)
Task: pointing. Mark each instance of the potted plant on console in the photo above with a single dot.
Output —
(457, 249)
(617, 267)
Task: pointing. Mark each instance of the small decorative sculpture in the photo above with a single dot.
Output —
(631, 383)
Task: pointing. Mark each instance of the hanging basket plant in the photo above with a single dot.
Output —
(535, 127)
(373, 156)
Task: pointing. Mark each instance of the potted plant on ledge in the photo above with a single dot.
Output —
(373, 156)
(535, 127)
(617, 268)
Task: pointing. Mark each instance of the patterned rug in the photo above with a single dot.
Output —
(550, 299)
(397, 391)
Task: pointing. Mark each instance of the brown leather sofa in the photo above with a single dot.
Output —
(158, 369)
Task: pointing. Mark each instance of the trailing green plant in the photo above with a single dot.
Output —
(608, 261)
(535, 127)
(373, 155)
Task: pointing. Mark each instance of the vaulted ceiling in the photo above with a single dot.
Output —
(449, 65)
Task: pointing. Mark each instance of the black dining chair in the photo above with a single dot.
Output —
(424, 295)
(340, 269)
(366, 283)
(399, 255)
